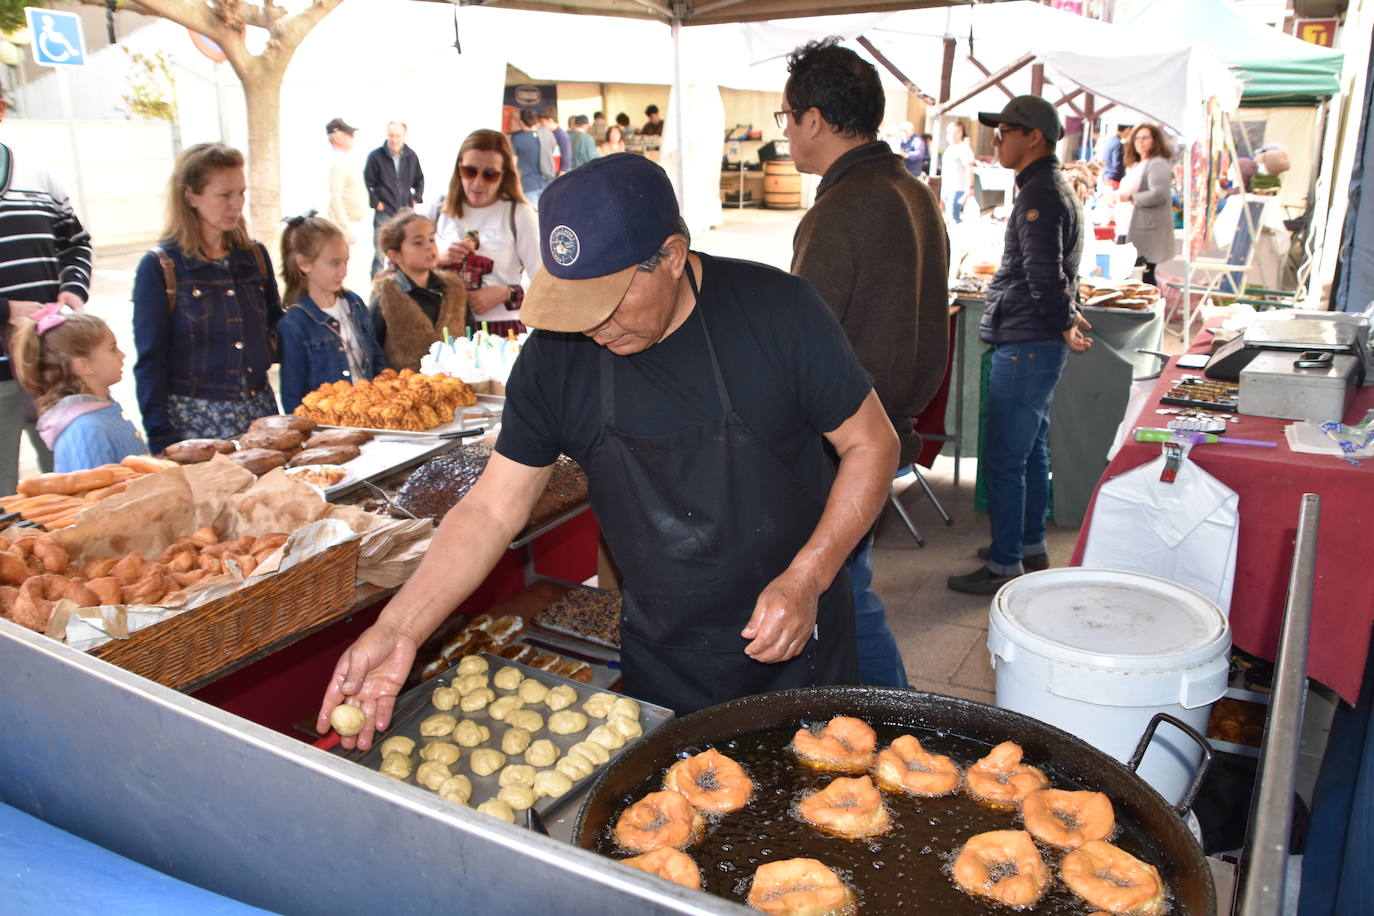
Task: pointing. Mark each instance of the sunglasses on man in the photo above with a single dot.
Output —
(1001, 130)
(471, 171)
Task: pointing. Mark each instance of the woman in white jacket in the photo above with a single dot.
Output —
(1148, 186)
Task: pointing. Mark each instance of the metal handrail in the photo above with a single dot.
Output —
(1264, 859)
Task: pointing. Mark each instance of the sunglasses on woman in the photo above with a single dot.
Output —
(471, 171)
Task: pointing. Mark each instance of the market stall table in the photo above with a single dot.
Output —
(1270, 483)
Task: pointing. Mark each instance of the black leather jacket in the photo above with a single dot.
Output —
(1034, 294)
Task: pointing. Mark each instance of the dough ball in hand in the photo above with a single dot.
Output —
(347, 720)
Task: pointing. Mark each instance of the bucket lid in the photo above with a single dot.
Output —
(1109, 618)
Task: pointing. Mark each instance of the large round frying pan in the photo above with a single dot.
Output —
(1177, 853)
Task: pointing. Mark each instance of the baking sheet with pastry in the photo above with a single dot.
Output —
(383, 456)
(416, 705)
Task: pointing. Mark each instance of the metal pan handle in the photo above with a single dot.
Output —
(1190, 795)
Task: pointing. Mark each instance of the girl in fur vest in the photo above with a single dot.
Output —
(412, 301)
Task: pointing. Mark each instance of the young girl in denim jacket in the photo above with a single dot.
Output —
(326, 334)
(68, 363)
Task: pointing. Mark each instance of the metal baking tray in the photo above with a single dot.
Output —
(415, 706)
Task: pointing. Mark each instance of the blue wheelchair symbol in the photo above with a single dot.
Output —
(57, 40)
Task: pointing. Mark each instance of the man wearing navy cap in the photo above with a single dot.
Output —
(700, 395)
(1032, 322)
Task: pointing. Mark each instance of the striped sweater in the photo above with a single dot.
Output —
(43, 248)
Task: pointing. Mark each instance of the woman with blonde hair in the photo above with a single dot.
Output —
(205, 308)
(487, 231)
(1148, 186)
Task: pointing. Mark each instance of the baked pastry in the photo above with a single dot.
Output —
(279, 439)
(258, 460)
(328, 437)
(586, 612)
(439, 483)
(405, 400)
(330, 454)
(194, 451)
(283, 421)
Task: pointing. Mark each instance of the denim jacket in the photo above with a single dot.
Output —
(217, 341)
(312, 351)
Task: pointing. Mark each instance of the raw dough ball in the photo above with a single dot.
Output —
(624, 706)
(542, 753)
(518, 797)
(469, 734)
(398, 744)
(498, 809)
(593, 752)
(504, 706)
(347, 720)
(445, 698)
(515, 740)
(437, 726)
(397, 766)
(485, 761)
(476, 700)
(532, 691)
(567, 722)
(574, 766)
(625, 726)
(517, 774)
(468, 683)
(560, 697)
(508, 678)
(527, 719)
(441, 751)
(598, 705)
(472, 664)
(456, 788)
(432, 774)
(607, 737)
(552, 783)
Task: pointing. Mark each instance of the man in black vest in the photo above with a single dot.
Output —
(394, 181)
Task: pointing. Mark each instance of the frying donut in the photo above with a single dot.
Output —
(711, 782)
(1112, 879)
(848, 807)
(1004, 866)
(1067, 819)
(905, 766)
(799, 887)
(659, 820)
(670, 864)
(1001, 780)
(845, 744)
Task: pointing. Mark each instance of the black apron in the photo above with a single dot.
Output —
(699, 523)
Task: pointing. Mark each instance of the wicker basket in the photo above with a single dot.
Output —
(192, 647)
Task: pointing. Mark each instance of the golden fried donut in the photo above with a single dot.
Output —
(710, 781)
(99, 568)
(1003, 865)
(1112, 879)
(1067, 819)
(108, 590)
(50, 554)
(13, 569)
(905, 766)
(130, 569)
(659, 820)
(33, 605)
(1000, 779)
(845, 744)
(848, 807)
(8, 595)
(670, 864)
(799, 887)
(150, 589)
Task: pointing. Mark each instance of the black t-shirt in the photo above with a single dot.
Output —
(786, 362)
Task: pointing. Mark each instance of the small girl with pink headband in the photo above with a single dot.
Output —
(68, 361)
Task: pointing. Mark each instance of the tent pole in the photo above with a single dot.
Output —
(677, 116)
(1187, 242)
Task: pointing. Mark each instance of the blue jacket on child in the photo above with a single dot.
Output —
(85, 431)
(312, 349)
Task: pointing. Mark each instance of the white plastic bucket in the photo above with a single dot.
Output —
(1097, 652)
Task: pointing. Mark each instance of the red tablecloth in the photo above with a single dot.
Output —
(1270, 483)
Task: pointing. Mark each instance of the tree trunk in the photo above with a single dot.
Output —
(262, 92)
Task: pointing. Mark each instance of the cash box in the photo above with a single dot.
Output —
(1316, 386)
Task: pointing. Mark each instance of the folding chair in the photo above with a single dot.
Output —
(1224, 278)
(930, 494)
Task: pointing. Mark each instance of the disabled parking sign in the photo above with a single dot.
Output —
(57, 40)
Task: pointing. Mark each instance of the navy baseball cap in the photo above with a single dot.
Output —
(596, 223)
(1030, 112)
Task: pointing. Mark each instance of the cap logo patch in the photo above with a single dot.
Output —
(1032, 215)
(564, 246)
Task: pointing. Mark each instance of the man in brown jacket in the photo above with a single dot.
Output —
(875, 248)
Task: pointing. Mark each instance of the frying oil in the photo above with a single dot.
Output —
(906, 870)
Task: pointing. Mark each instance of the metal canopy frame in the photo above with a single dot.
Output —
(714, 12)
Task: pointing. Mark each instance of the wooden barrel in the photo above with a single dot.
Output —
(781, 185)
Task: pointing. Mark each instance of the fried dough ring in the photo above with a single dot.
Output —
(848, 807)
(13, 569)
(1067, 819)
(1005, 866)
(669, 864)
(1001, 780)
(905, 766)
(659, 820)
(799, 887)
(1112, 879)
(108, 589)
(845, 744)
(710, 781)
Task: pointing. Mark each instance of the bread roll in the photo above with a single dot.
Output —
(330, 437)
(194, 451)
(279, 439)
(333, 454)
(283, 421)
(259, 460)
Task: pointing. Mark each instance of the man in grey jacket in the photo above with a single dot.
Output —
(1032, 322)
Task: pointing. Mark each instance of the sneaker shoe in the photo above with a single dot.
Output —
(982, 582)
(1032, 562)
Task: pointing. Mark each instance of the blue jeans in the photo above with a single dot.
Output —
(1016, 454)
(956, 205)
(880, 661)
